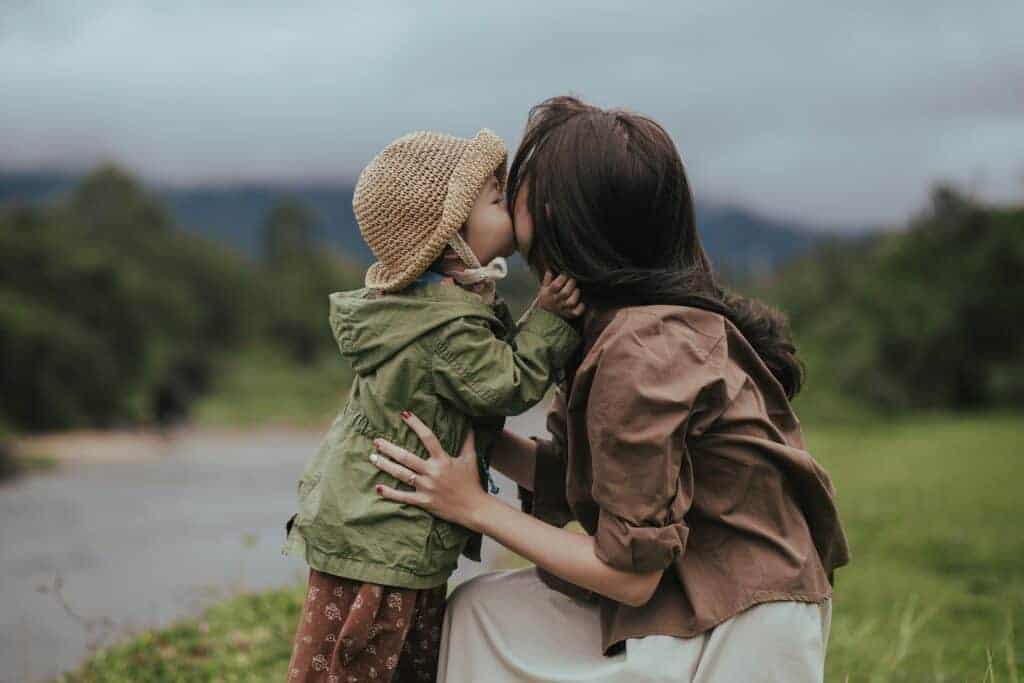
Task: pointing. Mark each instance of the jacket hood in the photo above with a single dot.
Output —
(372, 329)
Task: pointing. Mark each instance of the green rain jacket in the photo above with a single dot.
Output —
(441, 352)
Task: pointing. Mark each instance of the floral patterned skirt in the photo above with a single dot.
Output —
(350, 632)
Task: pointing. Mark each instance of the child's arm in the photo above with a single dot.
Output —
(483, 375)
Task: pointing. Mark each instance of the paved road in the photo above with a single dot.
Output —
(142, 543)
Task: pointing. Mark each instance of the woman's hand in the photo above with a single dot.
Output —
(450, 488)
(444, 486)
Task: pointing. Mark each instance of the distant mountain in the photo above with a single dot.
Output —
(740, 241)
(235, 214)
(34, 186)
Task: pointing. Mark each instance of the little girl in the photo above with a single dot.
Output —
(427, 334)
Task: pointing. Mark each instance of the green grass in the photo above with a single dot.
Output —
(933, 510)
(935, 592)
(247, 638)
(259, 386)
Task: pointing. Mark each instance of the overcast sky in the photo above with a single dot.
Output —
(837, 113)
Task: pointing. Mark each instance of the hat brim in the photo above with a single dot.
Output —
(484, 155)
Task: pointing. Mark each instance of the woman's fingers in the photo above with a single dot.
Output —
(393, 468)
(548, 277)
(400, 455)
(558, 283)
(411, 497)
(578, 310)
(429, 439)
(572, 299)
(469, 445)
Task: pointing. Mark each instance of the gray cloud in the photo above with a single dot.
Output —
(835, 114)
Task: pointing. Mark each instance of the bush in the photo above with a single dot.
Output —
(110, 314)
(929, 317)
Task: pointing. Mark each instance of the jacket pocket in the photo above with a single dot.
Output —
(310, 493)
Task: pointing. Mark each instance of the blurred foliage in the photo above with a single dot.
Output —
(262, 385)
(109, 314)
(300, 273)
(924, 318)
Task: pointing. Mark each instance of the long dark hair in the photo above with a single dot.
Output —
(612, 207)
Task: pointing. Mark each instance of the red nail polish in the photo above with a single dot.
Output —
(379, 488)
(406, 414)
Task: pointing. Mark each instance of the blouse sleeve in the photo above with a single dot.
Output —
(547, 500)
(654, 376)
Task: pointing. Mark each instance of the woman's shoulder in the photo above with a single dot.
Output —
(655, 355)
(661, 333)
(650, 350)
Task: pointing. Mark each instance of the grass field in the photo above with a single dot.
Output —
(934, 512)
(259, 386)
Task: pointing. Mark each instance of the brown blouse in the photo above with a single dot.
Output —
(676, 448)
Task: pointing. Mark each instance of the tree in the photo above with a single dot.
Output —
(928, 317)
(288, 235)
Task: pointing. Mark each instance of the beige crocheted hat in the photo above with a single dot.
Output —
(411, 200)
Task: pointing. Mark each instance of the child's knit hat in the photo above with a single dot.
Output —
(411, 200)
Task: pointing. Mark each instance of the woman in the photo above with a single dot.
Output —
(711, 533)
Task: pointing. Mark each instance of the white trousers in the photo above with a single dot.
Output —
(509, 626)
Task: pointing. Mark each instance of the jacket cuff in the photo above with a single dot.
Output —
(628, 547)
(559, 335)
(547, 501)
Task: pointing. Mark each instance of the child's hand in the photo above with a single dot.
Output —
(560, 296)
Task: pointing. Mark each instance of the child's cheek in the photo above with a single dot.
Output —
(502, 233)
